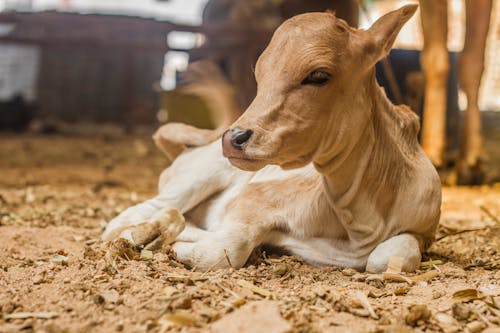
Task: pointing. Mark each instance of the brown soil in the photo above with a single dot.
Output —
(57, 192)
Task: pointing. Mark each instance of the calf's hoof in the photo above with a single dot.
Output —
(405, 246)
(206, 255)
(161, 229)
(203, 250)
(469, 175)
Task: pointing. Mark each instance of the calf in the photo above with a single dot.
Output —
(321, 164)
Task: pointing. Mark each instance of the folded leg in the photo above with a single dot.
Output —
(228, 246)
(338, 252)
(319, 251)
(193, 177)
(405, 246)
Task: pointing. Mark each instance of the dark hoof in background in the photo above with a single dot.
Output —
(16, 114)
(470, 175)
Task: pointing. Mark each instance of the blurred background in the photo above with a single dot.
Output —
(78, 66)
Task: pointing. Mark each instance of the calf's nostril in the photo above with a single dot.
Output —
(239, 137)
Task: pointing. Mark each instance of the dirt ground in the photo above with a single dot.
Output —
(58, 191)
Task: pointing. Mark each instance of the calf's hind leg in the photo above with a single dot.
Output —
(405, 246)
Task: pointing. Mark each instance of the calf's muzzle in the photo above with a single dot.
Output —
(234, 140)
(239, 137)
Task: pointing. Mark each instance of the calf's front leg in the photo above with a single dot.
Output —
(193, 177)
(229, 246)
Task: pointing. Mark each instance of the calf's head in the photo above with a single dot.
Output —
(312, 82)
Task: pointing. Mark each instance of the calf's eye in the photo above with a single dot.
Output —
(317, 78)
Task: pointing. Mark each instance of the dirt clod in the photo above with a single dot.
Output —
(475, 326)
(349, 271)
(281, 269)
(262, 316)
(461, 311)
(122, 248)
(182, 303)
(9, 307)
(98, 299)
(418, 315)
(447, 323)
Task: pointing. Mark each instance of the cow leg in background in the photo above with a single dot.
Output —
(471, 66)
(435, 63)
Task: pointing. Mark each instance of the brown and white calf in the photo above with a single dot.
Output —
(321, 164)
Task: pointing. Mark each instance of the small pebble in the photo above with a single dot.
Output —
(280, 269)
(349, 271)
(460, 311)
(319, 291)
(358, 277)
(438, 294)
(38, 279)
(182, 303)
(475, 326)
(418, 315)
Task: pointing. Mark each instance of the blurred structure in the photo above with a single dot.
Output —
(473, 29)
(88, 67)
(236, 32)
(249, 26)
(411, 37)
(102, 67)
(80, 66)
(19, 65)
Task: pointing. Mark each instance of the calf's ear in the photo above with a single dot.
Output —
(381, 35)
